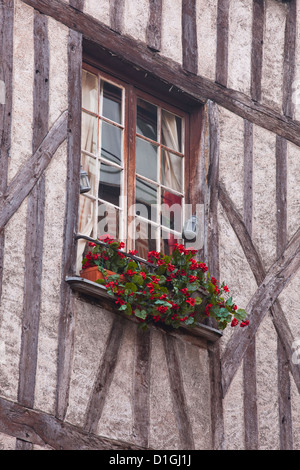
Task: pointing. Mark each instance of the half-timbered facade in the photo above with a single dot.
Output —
(74, 373)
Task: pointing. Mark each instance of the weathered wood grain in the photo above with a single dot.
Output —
(116, 15)
(189, 37)
(289, 58)
(104, 376)
(222, 42)
(184, 427)
(167, 71)
(153, 32)
(66, 319)
(29, 174)
(284, 400)
(248, 175)
(141, 387)
(78, 4)
(258, 21)
(6, 66)
(42, 429)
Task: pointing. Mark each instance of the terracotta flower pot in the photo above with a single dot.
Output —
(93, 273)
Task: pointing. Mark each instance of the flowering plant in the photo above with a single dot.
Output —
(176, 290)
(106, 256)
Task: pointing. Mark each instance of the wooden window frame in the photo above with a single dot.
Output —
(190, 109)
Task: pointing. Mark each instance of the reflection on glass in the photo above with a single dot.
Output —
(86, 210)
(110, 183)
(146, 159)
(89, 164)
(145, 238)
(89, 92)
(108, 220)
(112, 99)
(171, 170)
(111, 142)
(167, 242)
(89, 133)
(171, 129)
(171, 210)
(146, 119)
(146, 197)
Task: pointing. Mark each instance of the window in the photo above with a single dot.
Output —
(135, 151)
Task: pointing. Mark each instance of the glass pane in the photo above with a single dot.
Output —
(112, 100)
(111, 143)
(145, 235)
(171, 210)
(146, 199)
(89, 133)
(89, 164)
(146, 159)
(110, 184)
(171, 127)
(171, 170)
(168, 240)
(146, 123)
(86, 213)
(108, 221)
(89, 92)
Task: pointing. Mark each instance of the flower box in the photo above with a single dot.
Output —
(93, 274)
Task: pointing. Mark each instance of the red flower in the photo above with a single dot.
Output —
(143, 274)
(234, 322)
(225, 288)
(191, 301)
(244, 323)
(162, 309)
(130, 272)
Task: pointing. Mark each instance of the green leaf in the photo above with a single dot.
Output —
(240, 314)
(137, 279)
(140, 314)
(198, 300)
(130, 287)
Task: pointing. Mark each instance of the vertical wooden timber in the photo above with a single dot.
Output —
(212, 256)
(35, 223)
(258, 21)
(186, 439)
(222, 42)
(116, 14)
(77, 4)
(249, 365)
(154, 25)
(104, 376)
(289, 59)
(284, 386)
(6, 66)
(66, 321)
(189, 37)
(141, 387)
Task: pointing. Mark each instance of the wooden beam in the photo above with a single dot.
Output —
(78, 4)
(189, 37)
(154, 25)
(29, 174)
(116, 15)
(6, 67)
(66, 320)
(258, 23)
(138, 55)
(222, 42)
(186, 439)
(289, 59)
(42, 429)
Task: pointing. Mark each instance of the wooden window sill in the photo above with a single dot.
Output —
(99, 292)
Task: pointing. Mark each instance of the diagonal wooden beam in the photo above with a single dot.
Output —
(29, 174)
(271, 284)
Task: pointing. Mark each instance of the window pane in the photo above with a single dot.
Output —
(110, 184)
(112, 100)
(146, 159)
(171, 210)
(89, 133)
(171, 170)
(171, 127)
(145, 238)
(86, 211)
(89, 164)
(146, 199)
(108, 221)
(168, 240)
(111, 143)
(89, 92)
(146, 119)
